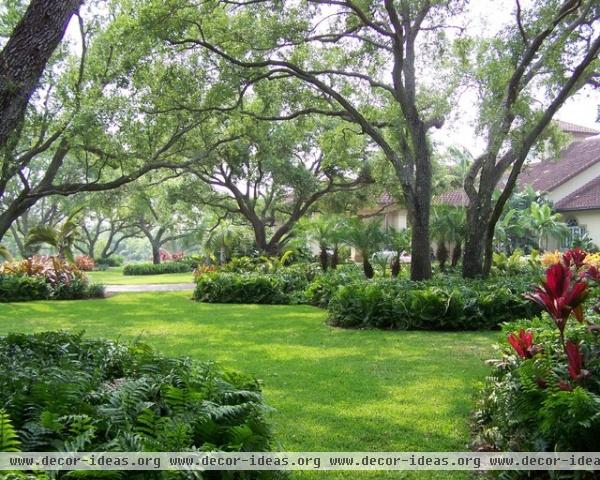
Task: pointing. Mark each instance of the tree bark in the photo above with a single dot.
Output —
(335, 258)
(419, 209)
(24, 58)
(476, 238)
(155, 252)
(456, 254)
(368, 268)
(324, 258)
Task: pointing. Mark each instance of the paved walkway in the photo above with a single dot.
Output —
(164, 287)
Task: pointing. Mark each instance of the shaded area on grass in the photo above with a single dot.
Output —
(334, 390)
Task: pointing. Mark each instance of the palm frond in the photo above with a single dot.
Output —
(4, 253)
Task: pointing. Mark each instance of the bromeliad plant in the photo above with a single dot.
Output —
(545, 394)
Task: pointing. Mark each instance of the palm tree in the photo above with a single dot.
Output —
(62, 237)
(367, 237)
(318, 229)
(511, 226)
(326, 232)
(221, 240)
(546, 223)
(398, 241)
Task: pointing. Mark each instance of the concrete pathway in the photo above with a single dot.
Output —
(164, 287)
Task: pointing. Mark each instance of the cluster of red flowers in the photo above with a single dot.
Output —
(561, 294)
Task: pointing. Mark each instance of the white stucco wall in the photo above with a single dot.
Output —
(396, 219)
(590, 219)
(574, 183)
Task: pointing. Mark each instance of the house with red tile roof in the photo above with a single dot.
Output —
(571, 181)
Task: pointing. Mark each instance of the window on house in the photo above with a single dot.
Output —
(575, 232)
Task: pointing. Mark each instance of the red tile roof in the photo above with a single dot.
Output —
(584, 198)
(456, 198)
(573, 128)
(549, 174)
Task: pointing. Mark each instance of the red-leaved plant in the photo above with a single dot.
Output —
(561, 294)
(523, 343)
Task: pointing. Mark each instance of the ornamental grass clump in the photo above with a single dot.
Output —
(544, 392)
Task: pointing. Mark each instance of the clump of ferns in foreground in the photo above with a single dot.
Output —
(544, 393)
(61, 392)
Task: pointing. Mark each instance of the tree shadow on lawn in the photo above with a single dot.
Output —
(346, 390)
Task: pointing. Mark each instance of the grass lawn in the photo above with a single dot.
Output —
(334, 390)
(114, 276)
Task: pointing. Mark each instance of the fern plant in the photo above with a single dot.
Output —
(67, 393)
(9, 440)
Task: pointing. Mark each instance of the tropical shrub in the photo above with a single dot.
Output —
(286, 285)
(21, 288)
(550, 258)
(324, 286)
(544, 391)
(85, 263)
(245, 265)
(112, 261)
(62, 392)
(203, 270)
(53, 269)
(240, 288)
(39, 278)
(157, 269)
(444, 303)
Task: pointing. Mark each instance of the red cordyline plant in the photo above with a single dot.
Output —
(575, 360)
(561, 295)
(574, 257)
(523, 343)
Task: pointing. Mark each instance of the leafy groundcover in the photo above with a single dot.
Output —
(62, 392)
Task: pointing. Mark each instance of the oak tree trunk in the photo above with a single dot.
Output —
(476, 239)
(25, 55)
(155, 253)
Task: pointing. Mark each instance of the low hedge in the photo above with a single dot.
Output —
(447, 302)
(441, 304)
(21, 288)
(157, 269)
(61, 392)
(112, 261)
(286, 285)
(24, 288)
(222, 287)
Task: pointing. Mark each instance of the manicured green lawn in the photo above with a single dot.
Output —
(114, 276)
(334, 390)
